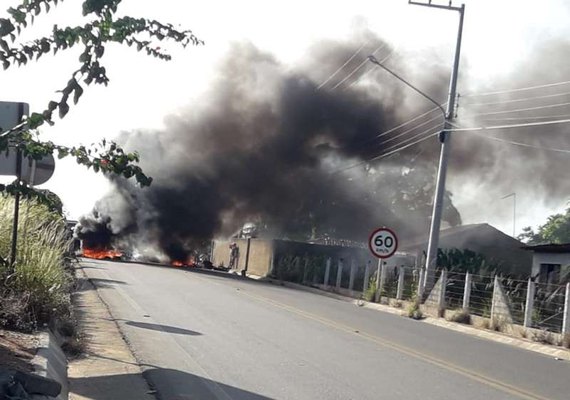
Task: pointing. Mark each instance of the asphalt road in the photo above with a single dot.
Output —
(204, 336)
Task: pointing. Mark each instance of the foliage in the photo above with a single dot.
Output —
(103, 28)
(370, 292)
(39, 283)
(414, 311)
(555, 230)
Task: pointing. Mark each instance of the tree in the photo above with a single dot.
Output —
(103, 28)
(555, 230)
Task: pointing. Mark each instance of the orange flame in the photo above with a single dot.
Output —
(178, 264)
(101, 254)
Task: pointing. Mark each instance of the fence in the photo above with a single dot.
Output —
(512, 301)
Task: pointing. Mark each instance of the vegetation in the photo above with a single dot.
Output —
(101, 28)
(555, 230)
(414, 310)
(38, 287)
(461, 317)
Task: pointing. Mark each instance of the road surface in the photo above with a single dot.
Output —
(211, 336)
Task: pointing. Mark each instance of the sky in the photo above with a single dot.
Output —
(498, 36)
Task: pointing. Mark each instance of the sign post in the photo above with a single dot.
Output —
(383, 243)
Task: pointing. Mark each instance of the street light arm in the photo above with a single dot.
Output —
(373, 60)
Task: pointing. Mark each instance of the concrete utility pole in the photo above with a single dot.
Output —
(444, 138)
(514, 196)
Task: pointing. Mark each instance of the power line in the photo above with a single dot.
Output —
(383, 155)
(342, 66)
(355, 70)
(364, 73)
(404, 124)
(522, 109)
(410, 130)
(517, 100)
(483, 128)
(526, 118)
(522, 89)
(523, 144)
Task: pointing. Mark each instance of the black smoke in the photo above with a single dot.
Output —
(268, 145)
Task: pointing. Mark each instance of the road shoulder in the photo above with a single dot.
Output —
(108, 369)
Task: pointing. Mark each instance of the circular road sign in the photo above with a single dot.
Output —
(383, 243)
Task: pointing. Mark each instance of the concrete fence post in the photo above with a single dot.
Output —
(441, 298)
(529, 304)
(327, 272)
(352, 274)
(467, 292)
(366, 276)
(305, 269)
(420, 291)
(495, 291)
(378, 281)
(566, 320)
(339, 273)
(401, 276)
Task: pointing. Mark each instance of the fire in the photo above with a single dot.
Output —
(101, 254)
(190, 262)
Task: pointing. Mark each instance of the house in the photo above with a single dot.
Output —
(550, 263)
(499, 249)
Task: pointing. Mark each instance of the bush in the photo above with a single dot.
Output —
(39, 280)
(461, 317)
(544, 337)
(370, 292)
(414, 311)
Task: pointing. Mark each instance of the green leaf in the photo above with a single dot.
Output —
(63, 109)
(77, 94)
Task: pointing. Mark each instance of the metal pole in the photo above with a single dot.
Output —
(339, 274)
(445, 139)
(14, 248)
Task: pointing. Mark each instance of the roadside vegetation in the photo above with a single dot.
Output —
(37, 289)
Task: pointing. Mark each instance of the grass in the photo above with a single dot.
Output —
(414, 310)
(37, 288)
(461, 317)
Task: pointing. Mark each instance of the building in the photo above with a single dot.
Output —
(499, 249)
(550, 263)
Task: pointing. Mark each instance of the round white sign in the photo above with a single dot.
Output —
(383, 243)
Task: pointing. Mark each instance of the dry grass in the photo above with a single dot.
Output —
(461, 317)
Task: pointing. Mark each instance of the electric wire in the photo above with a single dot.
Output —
(410, 130)
(342, 66)
(528, 124)
(522, 109)
(396, 150)
(495, 103)
(523, 144)
(358, 67)
(522, 89)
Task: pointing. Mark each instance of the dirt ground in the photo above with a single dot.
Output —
(17, 350)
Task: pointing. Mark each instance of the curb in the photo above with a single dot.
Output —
(50, 362)
(551, 351)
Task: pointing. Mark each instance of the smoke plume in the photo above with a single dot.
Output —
(274, 145)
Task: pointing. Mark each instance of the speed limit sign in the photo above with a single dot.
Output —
(383, 243)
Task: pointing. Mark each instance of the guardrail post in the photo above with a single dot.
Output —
(467, 292)
(529, 304)
(352, 273)
(566, 320)
(441, 298)
(366, 277)
(400, 291)
(327, 272)
(339, 273)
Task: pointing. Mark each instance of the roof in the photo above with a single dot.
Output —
(550, 248)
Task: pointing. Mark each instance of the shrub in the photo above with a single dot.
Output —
(544, 337)
(461, 317)
(414, 311)
(370, 291)
(39, 279)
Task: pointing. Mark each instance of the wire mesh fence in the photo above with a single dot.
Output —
(548, 309)
(516, 293)
(454, 290)
(481, 298)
